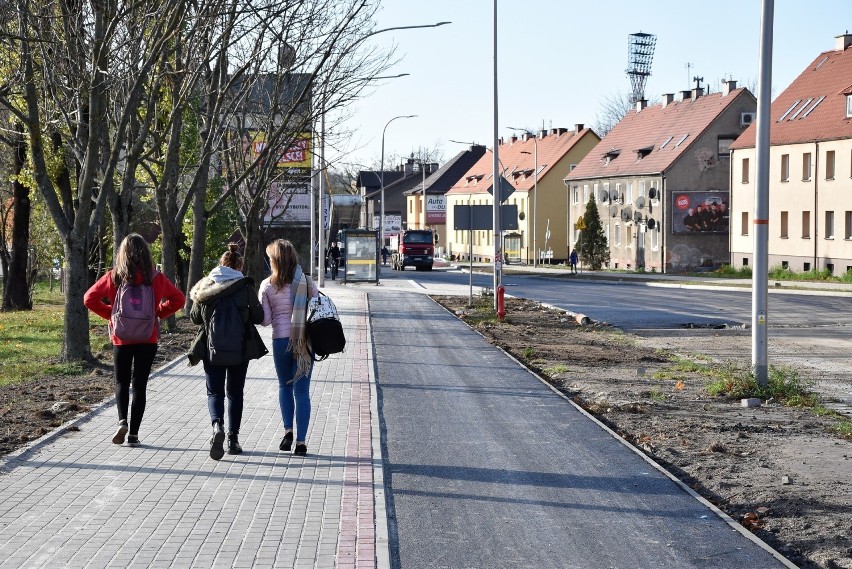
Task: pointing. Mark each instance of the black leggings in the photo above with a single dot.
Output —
(132, 361)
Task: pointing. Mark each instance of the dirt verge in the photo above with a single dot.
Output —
(782, 472)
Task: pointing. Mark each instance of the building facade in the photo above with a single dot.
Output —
(530, 162)
(660, 180)
(810, 172)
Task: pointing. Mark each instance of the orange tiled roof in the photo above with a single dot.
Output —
(816, 101)
(520, 166)
(661, 133)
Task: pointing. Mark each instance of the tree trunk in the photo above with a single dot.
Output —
(199, 231)
(17, 292)
(75, 340)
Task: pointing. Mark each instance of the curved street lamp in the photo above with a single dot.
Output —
(382, 169)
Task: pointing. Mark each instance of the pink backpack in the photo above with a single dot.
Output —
(134, 312)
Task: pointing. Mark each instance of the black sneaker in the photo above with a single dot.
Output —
(217, 449)
(300, 450)
(118, 437)
(234, 444)
(133, 440)
(286, 442)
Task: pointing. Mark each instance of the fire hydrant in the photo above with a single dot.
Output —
(501, 303)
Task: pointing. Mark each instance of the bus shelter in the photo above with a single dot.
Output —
(361, 255)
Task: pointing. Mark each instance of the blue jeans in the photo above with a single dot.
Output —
(216, 392)
(294, 397)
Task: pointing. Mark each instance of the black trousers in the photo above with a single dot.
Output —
(132, 364)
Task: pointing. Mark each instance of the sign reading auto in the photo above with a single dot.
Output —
(436, 210)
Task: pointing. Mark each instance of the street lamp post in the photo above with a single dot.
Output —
(535, 192)
(382, 169)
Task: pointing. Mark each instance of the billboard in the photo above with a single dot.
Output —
(699, 213)
(393, 223)
(436, 210)
(297, 155)
(288, 203)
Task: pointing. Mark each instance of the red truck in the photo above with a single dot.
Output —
(414, 248)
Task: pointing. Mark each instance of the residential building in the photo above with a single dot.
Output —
(426, 203)
(557, 151)
(810, 172)
(660, 181)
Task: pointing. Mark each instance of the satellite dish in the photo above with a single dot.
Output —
(613, 210)
(652, 193)
(522, 216)
(651, 223)
(604, 197)
(637, 217)
(613, 195)
(625, 215)
(640, 202)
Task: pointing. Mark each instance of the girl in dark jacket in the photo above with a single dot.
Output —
(226, 280)
(133, 360)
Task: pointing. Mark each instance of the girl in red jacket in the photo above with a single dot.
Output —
(132, 360)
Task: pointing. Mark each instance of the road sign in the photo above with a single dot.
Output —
(581, 224)
(506, 189)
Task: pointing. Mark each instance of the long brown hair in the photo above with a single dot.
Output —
(133, 257)
(232, 258)
(283, 258)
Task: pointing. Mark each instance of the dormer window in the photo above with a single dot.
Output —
(611, 155)
(643, 152)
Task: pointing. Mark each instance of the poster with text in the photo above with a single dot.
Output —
(699, 213)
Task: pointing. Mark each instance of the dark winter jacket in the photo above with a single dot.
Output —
(204, 295)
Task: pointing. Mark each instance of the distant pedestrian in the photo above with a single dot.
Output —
(284, 296)
(133, 284)
(385, 254)
(572, 259)
(225, 288)
(334, 259)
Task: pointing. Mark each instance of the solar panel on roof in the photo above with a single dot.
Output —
(793, 106)
(802, 108)
(806, 113)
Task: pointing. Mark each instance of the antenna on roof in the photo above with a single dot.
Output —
(698, 81)
(640, 53)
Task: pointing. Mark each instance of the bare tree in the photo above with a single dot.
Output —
(611, 109)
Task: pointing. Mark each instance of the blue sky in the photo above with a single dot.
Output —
(558, 60)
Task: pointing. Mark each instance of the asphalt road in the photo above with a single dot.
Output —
(487, 467)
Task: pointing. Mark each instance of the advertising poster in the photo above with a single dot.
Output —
(288, 204)
(699, 213)
(436, 210)
(393, 223)
(296, 156)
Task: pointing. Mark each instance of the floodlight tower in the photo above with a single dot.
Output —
(640, 53)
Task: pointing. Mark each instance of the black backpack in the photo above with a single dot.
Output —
(324, 330)
(225, 333)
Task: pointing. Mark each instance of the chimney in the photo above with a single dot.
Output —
(668, 99)
(578, 128)
(728, 86)
(843, 41)
(697, 92)
(641, 104)
(542, 133)
(554, 131)
(433, 167)
(500, 141)
(513, 139)
(408, 168)
(560, 131)
(685, 95)
(526, 136)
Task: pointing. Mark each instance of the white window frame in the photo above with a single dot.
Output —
(605, 191)
(618, 235)
(576, 195)
(641, 188)
(847, 231)
(585, 193)
(848, 106)
(655, 238)
(829, 224)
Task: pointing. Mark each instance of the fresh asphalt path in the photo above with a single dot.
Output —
(485, 466)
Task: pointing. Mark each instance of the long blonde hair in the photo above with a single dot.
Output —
(133, 257)
(283, 259)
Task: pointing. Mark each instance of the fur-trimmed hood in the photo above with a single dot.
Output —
(208, 289)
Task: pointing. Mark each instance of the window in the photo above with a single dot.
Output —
(585, 193)
(849, 105)
(628, 235)
(679, 142)
(806, 267)
(607, 234)
(784, 234)
(847, 231)
(576, 195)
(830, 268)
(806, 225)
(655, 238)
(785, 167)
(618, 236)
(724, 150)
(606, 188)
(744, 230)
(594, 192)
(806, 167)
(745, 261)
(785, 264)
(663, 145)
(642, 188)
(629, 197)
(829, 225)
(829, 165)
(745, 171)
